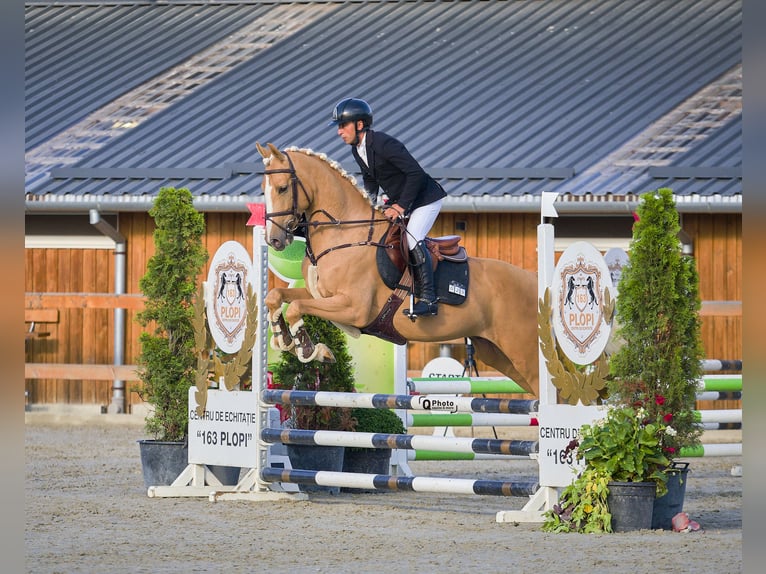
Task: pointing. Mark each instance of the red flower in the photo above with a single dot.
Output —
(669, 449)
(667, 418)
(659, 399)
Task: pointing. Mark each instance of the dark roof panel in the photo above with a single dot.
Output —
(466, 86)
(80, 57)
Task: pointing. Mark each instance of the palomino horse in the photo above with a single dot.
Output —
(305, 189)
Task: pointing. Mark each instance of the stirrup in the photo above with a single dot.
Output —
(421, 308)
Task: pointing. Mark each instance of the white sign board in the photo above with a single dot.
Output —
(226, 433)
(559, 425)
(443, 367)
(577, 297)
(616, 259)
(231, 271)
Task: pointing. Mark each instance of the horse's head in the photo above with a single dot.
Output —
(284, 205)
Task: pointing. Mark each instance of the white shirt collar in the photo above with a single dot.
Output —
(361, 148)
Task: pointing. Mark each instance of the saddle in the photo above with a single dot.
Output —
(450, 262)
(445, 248)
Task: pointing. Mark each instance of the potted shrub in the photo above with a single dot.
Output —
(372, 460)
(659, 363)
(625, 462)
(291, 373)
(167, 360)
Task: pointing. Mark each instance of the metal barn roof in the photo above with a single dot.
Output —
(500, 100)
(80, 57)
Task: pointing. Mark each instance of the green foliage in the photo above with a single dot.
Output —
(583, 507)
(291, 373)
(383, 421)
(378, 421)
(625, 446)
(658, 312)
(167, 356)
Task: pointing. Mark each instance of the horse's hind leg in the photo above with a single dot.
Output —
(488, 352)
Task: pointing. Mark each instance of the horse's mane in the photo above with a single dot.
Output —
(337, 167)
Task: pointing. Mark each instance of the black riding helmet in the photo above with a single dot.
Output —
(351, 110)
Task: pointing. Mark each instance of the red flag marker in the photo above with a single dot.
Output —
(257, 214)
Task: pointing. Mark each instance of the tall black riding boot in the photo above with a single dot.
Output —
(424, 277)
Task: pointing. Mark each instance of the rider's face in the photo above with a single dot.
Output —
(347, 132)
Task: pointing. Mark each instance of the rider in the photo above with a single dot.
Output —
(412, 194)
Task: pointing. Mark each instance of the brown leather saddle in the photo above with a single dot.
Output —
(445, 248)
(392, 256)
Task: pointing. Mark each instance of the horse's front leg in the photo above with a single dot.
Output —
(340, 308)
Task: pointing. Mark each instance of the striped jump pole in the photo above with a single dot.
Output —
(718, 416)
(721, 426)
(719, 419)
(470, 420)
(400, 441)
(719, 396)
(400, 483)
(408, 402)
(464, 385)
(721, 365)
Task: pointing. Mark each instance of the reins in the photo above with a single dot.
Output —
(296, 218)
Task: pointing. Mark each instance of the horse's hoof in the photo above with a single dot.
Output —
(278, 344)
(324, 354)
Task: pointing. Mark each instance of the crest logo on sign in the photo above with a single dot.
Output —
(581, 278)
(230, 273)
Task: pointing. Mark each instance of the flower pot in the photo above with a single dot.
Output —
(671, 503)
(162, 461)
(366, 461)
(631, 505)
(312, 457)
(228, 475)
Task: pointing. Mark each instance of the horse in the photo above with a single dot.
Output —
(342, 223)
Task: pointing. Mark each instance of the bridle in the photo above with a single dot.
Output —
(293, 211)
(296, 217)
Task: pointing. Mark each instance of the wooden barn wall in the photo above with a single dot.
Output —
(81, 335)
(86, 335)
(718, 252)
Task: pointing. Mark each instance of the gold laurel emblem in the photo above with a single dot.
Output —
(231, 370)
(586, 384)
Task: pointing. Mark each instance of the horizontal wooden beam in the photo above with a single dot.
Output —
(721, 309)
(83, 301)
(80, 372)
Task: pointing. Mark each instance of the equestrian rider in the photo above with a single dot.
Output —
(411, 193)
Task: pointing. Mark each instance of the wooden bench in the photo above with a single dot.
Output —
(34, 317)
(67, 371)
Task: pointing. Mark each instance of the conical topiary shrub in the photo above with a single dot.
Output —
(659, 364)
(167, 360)
(291, 373)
